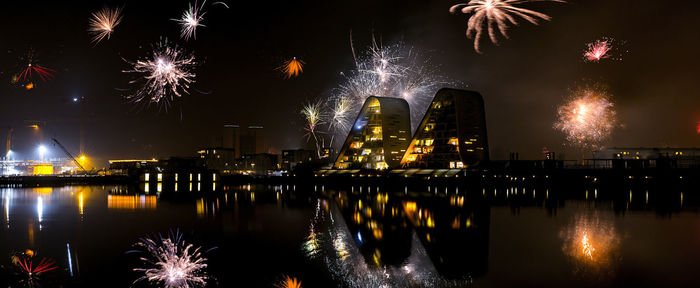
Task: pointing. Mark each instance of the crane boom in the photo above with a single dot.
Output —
(69, 155)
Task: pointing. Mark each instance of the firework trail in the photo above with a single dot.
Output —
(171, 262)
(289, 282)
(314, 118)
(587, 118)
(190, 20)
(292, 68)
(103, 22)
(496, 15)
(164, 75)
(31, 65)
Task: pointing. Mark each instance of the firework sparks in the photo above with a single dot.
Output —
(45, 265)
(386, 71)
(289, 282)
(166, 74)
(31, 66)
(103, 22)
(190, 20)
(172, 262)
(587, 118)
(496, 15)
(597, 50)
(292, 68)
(314, 118)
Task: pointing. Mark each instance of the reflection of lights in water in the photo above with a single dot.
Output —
(359, 237)
(586, 247)
(70, 260)
(592, 243)
(8, 197)
(131, 202)
(339, 249)
(39, 210)
(80, 203)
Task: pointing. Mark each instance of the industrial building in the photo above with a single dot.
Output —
(452, 133)
(379, 136)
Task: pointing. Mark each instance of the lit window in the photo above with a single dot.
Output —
(453, 141)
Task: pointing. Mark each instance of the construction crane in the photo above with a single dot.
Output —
(69, 155)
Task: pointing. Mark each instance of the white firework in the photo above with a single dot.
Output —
(172, 263)
(397, 71)
(190, 20)
(496, 15)
(103, 22)
(164, 75)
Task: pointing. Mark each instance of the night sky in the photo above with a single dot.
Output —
(522, 80)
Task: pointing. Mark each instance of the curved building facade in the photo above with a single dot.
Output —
(379, 136)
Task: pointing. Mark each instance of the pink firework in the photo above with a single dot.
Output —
(597, 50)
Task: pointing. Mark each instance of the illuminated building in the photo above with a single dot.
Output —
(291, 158)
(258, 164)
(452, 133)
(379, 136)
(42, 169)
(219, 158)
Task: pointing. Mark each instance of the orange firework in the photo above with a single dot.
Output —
(292, 68)
(289, 282)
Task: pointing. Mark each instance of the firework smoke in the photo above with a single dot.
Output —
(103, 22)
(496, 15)
(166, 74)
(587, 118)
(171, 262)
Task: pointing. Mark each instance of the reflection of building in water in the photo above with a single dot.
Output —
(379, 136)
(452, 133)
(131, 202)
(456, 238)
(389, 232)
(378, 226)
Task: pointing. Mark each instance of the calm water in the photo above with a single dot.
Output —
(363, 236)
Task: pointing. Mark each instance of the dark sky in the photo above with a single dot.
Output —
(522, 80)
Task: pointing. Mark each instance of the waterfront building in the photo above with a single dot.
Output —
(291, 158)
(452, 133)
(379, 136)
(218, 158)
(258, 164)
(647, 153)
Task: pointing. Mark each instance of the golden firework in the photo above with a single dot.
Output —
(289, 282)
(292, 68)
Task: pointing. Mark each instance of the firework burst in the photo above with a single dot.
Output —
(190, 20)
(166, 74)
(103, 22)
(171, 262)
(31, 68)
(495, 16)
(587, 118)
(289, 282)
(292, 68)
(597, 50)
(314, 118)
(397, 71)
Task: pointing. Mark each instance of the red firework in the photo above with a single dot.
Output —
(597, 50)
(45, 265)
(44, 73)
